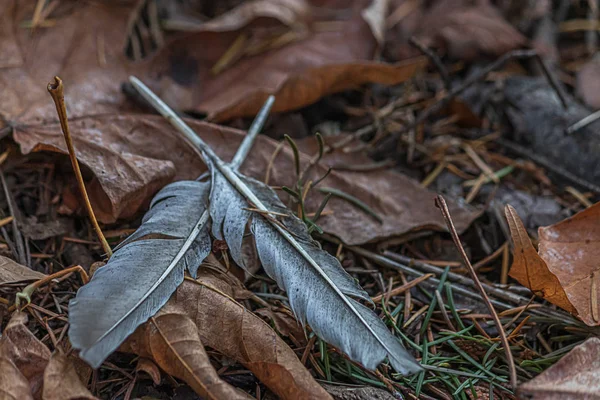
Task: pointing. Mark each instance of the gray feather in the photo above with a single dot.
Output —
(317, 285)
(320, 291)
(143, 272)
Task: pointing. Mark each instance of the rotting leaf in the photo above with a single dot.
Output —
(576, 376)
(11, 271)
(204, 312)
(565, 269)
(21, 349)
(61, 381)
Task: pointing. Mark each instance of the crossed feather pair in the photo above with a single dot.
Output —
(149, 266)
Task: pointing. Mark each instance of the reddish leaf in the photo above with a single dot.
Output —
(565, 270)
(576, 376)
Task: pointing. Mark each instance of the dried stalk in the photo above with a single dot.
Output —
(56, 90)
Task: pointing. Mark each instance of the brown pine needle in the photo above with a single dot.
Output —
(441, 204)
(56, 90)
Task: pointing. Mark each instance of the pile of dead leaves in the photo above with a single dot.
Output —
(222, 61)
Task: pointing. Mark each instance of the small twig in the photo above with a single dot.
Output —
(441, 204)
(435, 59)
(28, 291)
(56, 90)
(401, 289)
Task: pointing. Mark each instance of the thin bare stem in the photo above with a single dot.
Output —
(250, 137)
(56, 90)
(441, 204)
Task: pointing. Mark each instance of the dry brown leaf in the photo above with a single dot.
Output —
(92, 60)
(172, 341)
(61, 381)
(203, 311)
(19, 347)
(11, 271)
(335, 53)
(588, 84)
(576, 376)
(565, 271)
(131, 157)
(400, 201)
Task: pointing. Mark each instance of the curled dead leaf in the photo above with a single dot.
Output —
(202, 313)
(149, 367)
(565, 269)
(576, 376)
(62, 382)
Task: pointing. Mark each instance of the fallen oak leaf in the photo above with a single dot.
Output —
(21, 349)
(226, 326)
(565, 268)
(576, 376)
(61, 381)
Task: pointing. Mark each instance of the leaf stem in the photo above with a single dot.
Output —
(56, 90)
